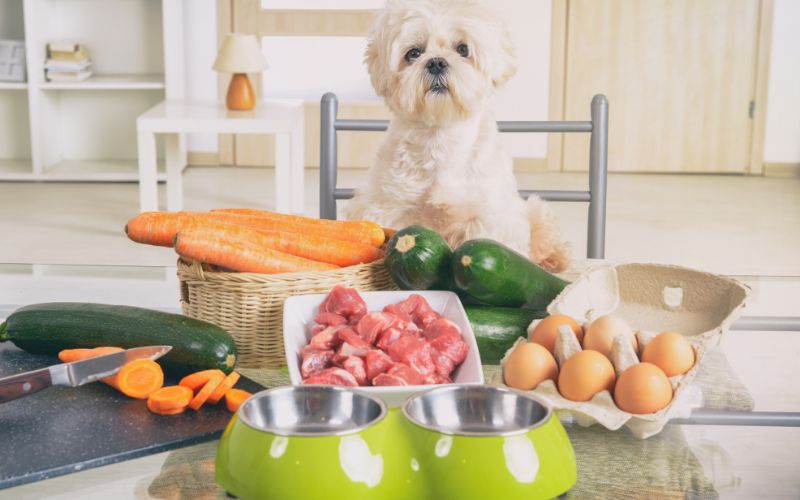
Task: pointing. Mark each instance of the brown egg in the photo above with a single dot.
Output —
(642, 388)
(546, 331)
(528, 365)
(600, 334)
(671, 352)
(585, 374)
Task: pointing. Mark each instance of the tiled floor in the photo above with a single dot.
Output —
(727, 224)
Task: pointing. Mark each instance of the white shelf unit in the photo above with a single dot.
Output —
(86, 131)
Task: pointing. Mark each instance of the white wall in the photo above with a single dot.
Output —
(337, 66)
(782, 143)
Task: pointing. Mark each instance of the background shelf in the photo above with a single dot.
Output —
(110, 82)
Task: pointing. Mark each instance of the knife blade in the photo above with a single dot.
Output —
(74, 374)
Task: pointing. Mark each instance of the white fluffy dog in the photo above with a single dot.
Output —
(437, 64)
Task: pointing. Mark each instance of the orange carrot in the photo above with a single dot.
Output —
(358, 231)
(159, 228)
(70, 355)
(158, 411)
(195, 381)
(240, 249)
(170, 398)
(222, 388)
(138, 379)
(204, 393)
(234, 398)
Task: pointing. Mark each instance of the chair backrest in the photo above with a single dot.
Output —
(598, 156)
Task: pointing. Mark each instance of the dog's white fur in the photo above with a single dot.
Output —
(442, 164)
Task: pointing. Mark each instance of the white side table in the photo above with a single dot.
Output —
(281, 117)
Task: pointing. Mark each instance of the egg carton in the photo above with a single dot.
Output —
(652, 298)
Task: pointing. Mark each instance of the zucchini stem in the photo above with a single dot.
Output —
(3, 331)
(466, 260)
(406, 243)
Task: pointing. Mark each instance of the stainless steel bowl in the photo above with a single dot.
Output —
(476, 410)
(314, 410)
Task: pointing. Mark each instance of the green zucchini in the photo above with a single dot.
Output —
(497, 328)
(496, 275)
(418, 258)
(49, 328)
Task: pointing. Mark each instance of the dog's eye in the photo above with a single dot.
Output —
(463, 50)
(413, 54)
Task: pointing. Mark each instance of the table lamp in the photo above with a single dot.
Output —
(240, 54)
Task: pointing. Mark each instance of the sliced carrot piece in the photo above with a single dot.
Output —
(174, 411)
(138, 379)
(195, 381)
(70, 355)
(170, 398)
(234, 398)
(222, 388)
(203, 394)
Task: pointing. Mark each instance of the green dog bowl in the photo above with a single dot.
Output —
(307, 442)
(488, 442)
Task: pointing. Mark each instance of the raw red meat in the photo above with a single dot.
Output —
(452, 347)
(330, 319)
(444, 365)
(405, 372)
(386, 379)
(388, 337)
(314, 360)
(355, 365)
(414, 352)
(377, 362)
(334, 376)
(415, 308)
(326, 339)
(407, 343)
(441, 326)
(344, 302)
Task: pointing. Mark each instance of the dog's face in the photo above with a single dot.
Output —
(438, 60)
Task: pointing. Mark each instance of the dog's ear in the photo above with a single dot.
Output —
(504, 62)
(376, 67)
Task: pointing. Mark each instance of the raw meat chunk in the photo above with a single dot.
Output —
(348, 349)
(452, 347)
(334, 376)
(377, 362)
(389, 337)
(444, 365)
(372, 324)
(355, 365)
(414, 352)
(330, 319)
(416, 308)
(407, 373)
(352, 343)
(314, 361)
(386, 379)
(344, 302)
(441, 326)
(326, 339)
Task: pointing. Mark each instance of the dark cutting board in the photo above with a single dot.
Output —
(61, 430)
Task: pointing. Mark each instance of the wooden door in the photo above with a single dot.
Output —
(680, 76)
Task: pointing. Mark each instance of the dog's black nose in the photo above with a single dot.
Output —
(436, 66)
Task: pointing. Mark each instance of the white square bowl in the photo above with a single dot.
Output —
(298, 318)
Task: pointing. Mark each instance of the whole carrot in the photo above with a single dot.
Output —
(358, 230)
(240, 249)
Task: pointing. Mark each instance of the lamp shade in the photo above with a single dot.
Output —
(240, 54)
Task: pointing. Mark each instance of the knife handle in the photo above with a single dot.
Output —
(17, 386)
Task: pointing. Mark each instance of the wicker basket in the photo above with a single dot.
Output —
(250, 306)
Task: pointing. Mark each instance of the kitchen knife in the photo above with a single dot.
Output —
(75, 373)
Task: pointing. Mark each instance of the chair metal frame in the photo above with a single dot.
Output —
(598, 158)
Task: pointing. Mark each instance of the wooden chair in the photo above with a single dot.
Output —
(598, 157)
